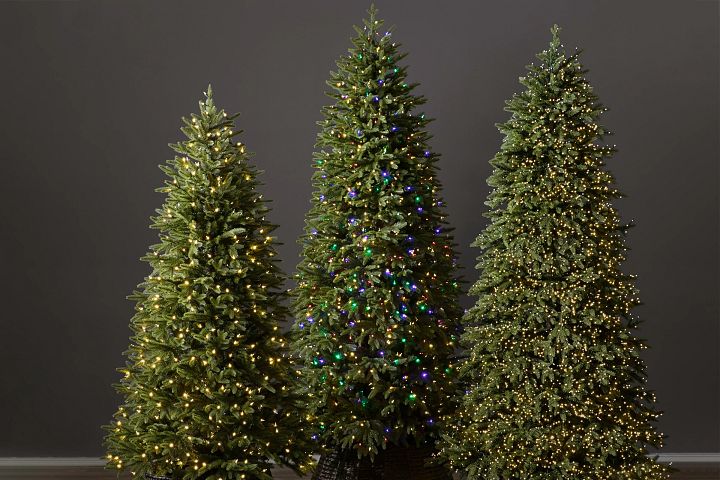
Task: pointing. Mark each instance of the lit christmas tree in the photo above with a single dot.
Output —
(376, 302)
(205, 387)
(555, 382)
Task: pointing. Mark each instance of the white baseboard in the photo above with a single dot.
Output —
(51, 462)
(688, 457)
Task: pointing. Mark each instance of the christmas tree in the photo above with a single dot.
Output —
(376, 301)
(555, 382)
(206, 383)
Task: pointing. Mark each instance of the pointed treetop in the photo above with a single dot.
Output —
(372, 23)
(555, 45)
(208, 108)
(552, 57)
(208, 102)
(555, 30)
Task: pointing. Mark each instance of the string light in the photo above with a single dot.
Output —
(377, 275)
(206, 317)
(554, 384)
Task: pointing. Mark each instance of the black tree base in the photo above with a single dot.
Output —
(393, 463)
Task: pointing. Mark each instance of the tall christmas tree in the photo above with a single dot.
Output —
(376, 302)
(205, 385)
(555, 382)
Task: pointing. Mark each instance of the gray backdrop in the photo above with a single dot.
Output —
(92, 92)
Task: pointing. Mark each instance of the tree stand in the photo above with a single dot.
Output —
(393, 463)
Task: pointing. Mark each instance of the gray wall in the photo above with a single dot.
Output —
(93, 91)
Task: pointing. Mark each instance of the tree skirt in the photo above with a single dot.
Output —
(393, 463)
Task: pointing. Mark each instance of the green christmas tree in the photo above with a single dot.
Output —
(555, 382)
(206, 383)
(376, 301)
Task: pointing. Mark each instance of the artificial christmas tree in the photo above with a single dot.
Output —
(376, 301)
(205, 387)
(555, 383)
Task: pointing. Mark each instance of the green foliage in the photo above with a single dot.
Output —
(555, 382)
(205, 387)
(376, 302)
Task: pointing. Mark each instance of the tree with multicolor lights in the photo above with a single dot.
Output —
(376, 301)
(205, 388)
(555, 382)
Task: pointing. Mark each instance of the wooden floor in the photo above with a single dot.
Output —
(686, 471)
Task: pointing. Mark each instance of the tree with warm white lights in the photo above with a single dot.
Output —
(376, 301)
(555, 382)
(206, 383)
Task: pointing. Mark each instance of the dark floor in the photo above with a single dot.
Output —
(686, 471)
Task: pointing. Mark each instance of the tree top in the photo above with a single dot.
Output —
(555, 31)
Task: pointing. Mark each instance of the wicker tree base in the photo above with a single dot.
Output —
(393, 463)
